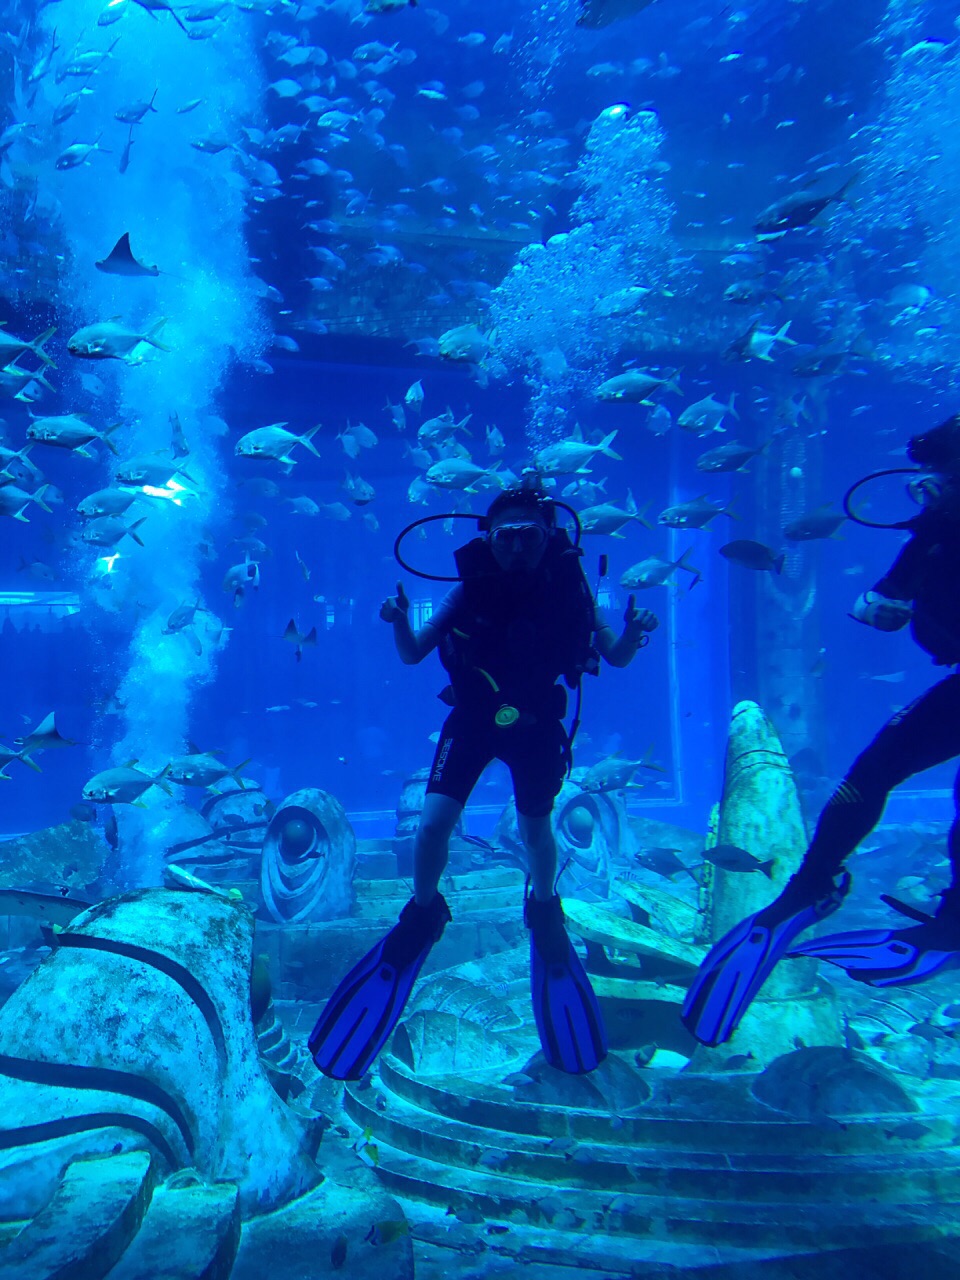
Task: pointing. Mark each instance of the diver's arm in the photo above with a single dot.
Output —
(618, 651)
(888, 606)
(880, 611)
(412, 646)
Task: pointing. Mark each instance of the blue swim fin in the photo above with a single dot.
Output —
(568, 1017)
(892, 957)
(739, 964)
(368, 1003)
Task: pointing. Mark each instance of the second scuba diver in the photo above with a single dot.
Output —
(921, 588)
(520, 617)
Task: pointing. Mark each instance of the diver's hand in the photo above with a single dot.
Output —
(395, 607)
(637, 622)
(881, 612)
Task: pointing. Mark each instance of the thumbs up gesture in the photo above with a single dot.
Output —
(636, 622)
(395, 607)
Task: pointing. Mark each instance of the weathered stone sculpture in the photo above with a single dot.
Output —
(136, 1034)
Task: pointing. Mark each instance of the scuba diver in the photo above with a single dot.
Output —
(521, 616)
(921, 588)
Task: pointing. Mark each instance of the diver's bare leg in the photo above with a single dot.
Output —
(431, 846)
(537, 836)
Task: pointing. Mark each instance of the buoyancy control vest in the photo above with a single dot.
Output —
(933, 574)
(518, 633)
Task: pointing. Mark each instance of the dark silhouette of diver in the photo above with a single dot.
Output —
(922, 589)
(520, 617)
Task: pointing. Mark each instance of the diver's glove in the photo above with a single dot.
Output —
(395, 607)
(637, 622)
(881, 612)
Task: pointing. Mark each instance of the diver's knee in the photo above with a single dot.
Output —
(537, 833)
(437, 820)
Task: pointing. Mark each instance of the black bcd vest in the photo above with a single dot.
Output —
(518, 633)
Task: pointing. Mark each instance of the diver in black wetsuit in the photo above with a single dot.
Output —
(521, 617)
(922, 589)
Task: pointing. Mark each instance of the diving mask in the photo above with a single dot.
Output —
(522, 536)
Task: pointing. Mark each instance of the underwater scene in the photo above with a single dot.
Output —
(480, 626)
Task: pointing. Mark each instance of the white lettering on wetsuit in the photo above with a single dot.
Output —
(442, 759)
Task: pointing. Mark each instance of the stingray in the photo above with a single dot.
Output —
(121, 261)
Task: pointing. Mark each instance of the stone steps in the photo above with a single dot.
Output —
(188, 1233)
(93, 1217)
(651, 1176)
(773, 1225)
(490, 1106)
(808, 1177)
(108, 1221)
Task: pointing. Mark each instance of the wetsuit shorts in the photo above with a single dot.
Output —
(534, 754)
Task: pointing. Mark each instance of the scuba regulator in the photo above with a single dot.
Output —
(937, 453)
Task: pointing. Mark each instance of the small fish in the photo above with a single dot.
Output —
(727, 457)
(730, 857)
(124, 785)
(14, 501)
(111, 341)
(460, 473)
(178, 441)
(37, 569)
(397, 415)
(107, 531)
(909, 1131)
(695, 514)
(11, 347)
(623, 302)
(654, 571)
(635, 386)
(203, 769)
(753, 555)
(614, 773)
(178, 877)
(240, 577)
(105, 502)
(358, 490)
(465, 343)
(124, 164)
(134, 113)
(276, 443)
(338, 1252)
(387, 1230)
(77, 154)
(738, 1061)
(821, 523)
(663, 862)
(303, 567)
(495, 441)
(70, 431)
(706, 415)
(568, 457)
(153, 7)
(757, 343)
(796, 210)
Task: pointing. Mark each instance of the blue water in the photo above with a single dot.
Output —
(321, 214)
(749, 99)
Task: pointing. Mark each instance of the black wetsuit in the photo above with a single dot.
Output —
(505, 645)
(923, 734)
